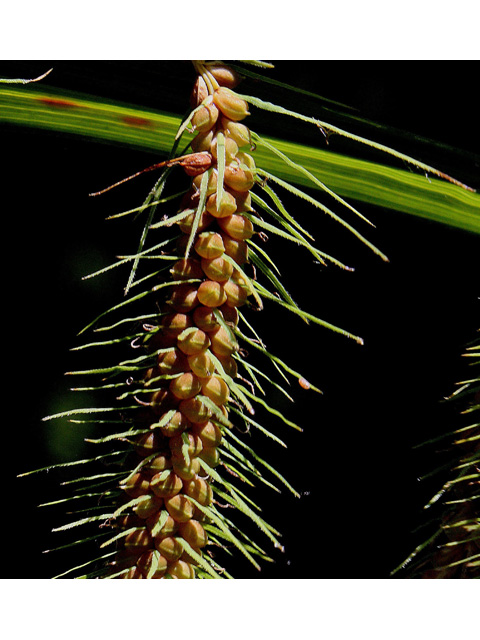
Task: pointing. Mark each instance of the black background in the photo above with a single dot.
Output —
(354, 462)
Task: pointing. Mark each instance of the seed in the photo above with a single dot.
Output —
(225, 76)
(231, 149)
(175, 323)
(185, 386)
(186, 223)
(229, 365)
(177, 424)
(236, 249)
(172, 362)
(209, 245)
(169, 527)
(236, 294)
(193, 342)
(211, 184)
(211, 294)
(227, 206)
(185, 269)
(186, 470)
(157, 465)
(218, 269)
(193, 532)
(195, 410)
(236, 226)
(206, 117)
(202, 141)
(237, 178)
(246, 161)
(148, 507)
(162, 401)
(148, 443)
(230, 315)
(231, 105)
(136, 486)
(159, 340)
(138, 541)
(223, 343)
(184, 297)
(205, 319)
(199, 92)
(211, 456)
(216, 389)
(150, 559)
(243, 201)
(209, 434)
(201, 364)
(166, 484)
(237, 131)
(181, 570)
(199, 490)
(179, 507)
(171, 548)
(187, 444)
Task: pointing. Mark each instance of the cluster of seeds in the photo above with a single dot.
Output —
(194, 343)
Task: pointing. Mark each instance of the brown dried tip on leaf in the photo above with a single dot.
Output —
(304, 383)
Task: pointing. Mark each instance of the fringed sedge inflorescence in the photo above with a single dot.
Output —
(453, 550)
(180, 457)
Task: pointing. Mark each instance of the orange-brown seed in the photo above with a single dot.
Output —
(170, 547)
(206, 116)
(211, 456)
(166, 484)
(237, 294)
(175, 323)
(209, 244)
(186, 469)
(236, 226)
(185, 269)
(185, 386)
(199, 490)
(237, 178)
(236, 249)
(152, 558)
(194, 410)
(181, 570)
(193, 532)
(226, 207)
(204, 222)
(148, 507)
(218, 269)
(172, 362)
(136, 485)
(138, 541)
(162, 401)
(186, 444)
(211, 294)
(201, 364)
(177, 424)
(209, 434)
(205, 319)
(169, 527)
(179, 507)
(193, 342)
(231, 105)
(216, 389)
(223, 343)
(184, 297)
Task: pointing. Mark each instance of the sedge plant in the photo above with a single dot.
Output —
(169, 491)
